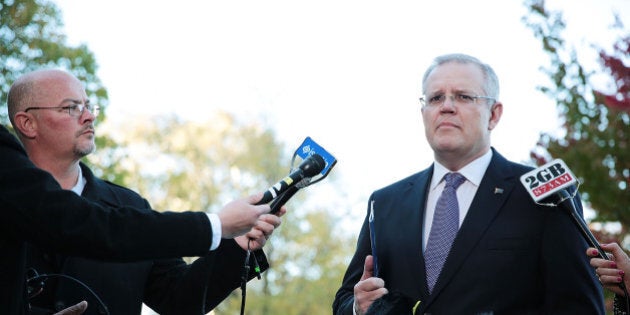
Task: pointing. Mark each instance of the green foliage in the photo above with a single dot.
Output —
(179, 165)
(597, 126)
(31, 38)
(595, 143)
(308, 259)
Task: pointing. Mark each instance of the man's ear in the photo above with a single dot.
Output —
(496, 111)
(25, 124)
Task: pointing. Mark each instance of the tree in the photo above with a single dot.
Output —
(31, 37)
(308, 259)
(180, 165)
(597, 125)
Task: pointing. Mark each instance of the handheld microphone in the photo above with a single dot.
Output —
(310, 167)
(552, 179)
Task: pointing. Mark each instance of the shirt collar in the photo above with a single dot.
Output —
(473, 171)
(78, 188)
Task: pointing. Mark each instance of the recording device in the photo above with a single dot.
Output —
(551, 181)
(316, 165)
(307, 169)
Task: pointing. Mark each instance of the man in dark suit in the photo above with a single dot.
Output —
(36, 209)
(168, 286)
(56, 140)
(505, 255)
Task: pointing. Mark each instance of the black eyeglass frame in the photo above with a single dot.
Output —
(94, 109)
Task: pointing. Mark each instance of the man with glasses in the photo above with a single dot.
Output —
(54, 120)
(463, 236)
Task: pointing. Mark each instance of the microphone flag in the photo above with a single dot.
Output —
(548, 179)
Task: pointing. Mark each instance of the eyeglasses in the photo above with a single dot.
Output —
(74, 110)
(458, 99)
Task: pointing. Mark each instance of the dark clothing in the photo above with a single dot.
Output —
(168, 286)
(35, 209)
(510, 256)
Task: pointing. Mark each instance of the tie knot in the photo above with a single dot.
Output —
(454, 180)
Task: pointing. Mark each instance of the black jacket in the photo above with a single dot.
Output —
(35, 209)
(168, 286)
(510, 255)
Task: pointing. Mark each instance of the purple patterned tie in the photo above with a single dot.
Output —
(444, 228)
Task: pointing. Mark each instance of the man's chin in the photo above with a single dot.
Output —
(84, 151)
(446, 145)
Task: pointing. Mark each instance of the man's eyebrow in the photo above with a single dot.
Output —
(75, 101)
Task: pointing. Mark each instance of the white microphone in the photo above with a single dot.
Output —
(553, 179)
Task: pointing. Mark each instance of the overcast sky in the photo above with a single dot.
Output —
(346, 73)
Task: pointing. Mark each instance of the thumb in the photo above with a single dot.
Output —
(255, 199)
(615, 249)
(368, 268)
(76, 309)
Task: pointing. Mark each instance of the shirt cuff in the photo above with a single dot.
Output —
(215, 222)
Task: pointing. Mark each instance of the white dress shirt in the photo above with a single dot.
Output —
(473, 172)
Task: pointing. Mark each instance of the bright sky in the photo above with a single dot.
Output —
(346, 73)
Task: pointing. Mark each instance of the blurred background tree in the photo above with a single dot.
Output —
(31, 37)
(596, 123)
(180, 165)
(595, 120)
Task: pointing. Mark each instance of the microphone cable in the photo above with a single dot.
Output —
(245, 275)
(38, 282)
(586, 233)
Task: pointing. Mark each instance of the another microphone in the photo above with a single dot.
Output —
(550, 180)
(310, 167)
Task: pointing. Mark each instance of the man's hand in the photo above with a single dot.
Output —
(368, 289)
(239, 216)
(76, 309)
(260, 233)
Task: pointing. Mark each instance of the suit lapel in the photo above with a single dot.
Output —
(97, 190)
(416, 201)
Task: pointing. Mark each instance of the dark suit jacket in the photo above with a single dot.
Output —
(510, 255)
(168, 286)
(36, 210)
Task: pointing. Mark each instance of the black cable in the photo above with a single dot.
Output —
(256, 267)
(590, 238)
(42, 282)
(625, 291)
(244, 277)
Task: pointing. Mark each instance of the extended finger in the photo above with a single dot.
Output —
(597, 262)
(610, 279)
(271, 219)
(76, 309)
(255, 234)
(266, 227)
